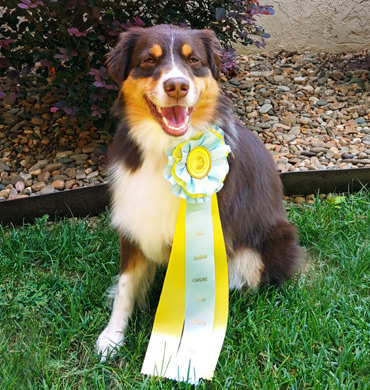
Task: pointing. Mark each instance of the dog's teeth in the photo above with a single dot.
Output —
(165, 121)
(186, 120)
(187, 109)
(159, 110)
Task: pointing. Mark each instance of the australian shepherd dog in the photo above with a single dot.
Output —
(168, 93)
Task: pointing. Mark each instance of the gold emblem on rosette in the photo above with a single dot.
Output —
(199, 162)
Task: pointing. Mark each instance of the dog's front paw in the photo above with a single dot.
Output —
(108, 343)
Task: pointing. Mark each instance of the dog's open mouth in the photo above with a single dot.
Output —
(174, 120)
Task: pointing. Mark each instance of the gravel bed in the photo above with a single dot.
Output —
(312, 111)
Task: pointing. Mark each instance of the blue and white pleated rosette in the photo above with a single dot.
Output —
(184, 185)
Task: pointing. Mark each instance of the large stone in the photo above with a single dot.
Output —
(58, 184)
(4, 167)
(43, 176)
(19, 186)
(38, 186)
(47, 190)
(37, 121)
(265, 108)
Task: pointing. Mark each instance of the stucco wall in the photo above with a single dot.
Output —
(318, 25)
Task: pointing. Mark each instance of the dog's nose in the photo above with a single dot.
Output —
(176, 87)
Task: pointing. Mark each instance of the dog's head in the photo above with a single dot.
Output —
(168, 77)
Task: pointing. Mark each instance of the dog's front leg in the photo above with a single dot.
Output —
(136, 274)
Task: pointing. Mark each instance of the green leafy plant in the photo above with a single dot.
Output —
(335, 201)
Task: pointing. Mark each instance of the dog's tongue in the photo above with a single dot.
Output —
(175, 115)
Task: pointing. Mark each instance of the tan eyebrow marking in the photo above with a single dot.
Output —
(156, 51)
(186, 50)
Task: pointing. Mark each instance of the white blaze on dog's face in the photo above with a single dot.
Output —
(168, 82)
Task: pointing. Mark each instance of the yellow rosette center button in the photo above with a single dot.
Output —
(199, 162)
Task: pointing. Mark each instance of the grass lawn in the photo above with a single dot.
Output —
(311, 333)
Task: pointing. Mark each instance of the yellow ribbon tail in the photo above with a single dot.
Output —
(171, 353)
(169, 319)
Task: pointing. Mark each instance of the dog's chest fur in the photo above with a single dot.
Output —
(144, 209)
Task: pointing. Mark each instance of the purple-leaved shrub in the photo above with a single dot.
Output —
(65, 41)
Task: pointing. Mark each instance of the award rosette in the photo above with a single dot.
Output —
(191, 319)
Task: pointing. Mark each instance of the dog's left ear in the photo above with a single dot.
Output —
(118, 59)
(214, 51)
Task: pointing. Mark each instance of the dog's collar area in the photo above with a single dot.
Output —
(174, 119)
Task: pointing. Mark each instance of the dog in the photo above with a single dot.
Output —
(169, 92)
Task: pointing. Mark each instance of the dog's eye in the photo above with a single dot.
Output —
(148, 60)
(193, 60)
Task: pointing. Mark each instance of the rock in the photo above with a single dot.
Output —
(336, 106)
(82, 157)
(43, 176)
(4, 167)
(37, 121)
(35, 172)
(38, 186)
(15, 179)
(10, 119)
(65, 160)
(279, 78)
(289, 137)
(307, 153)
(322, 102)
(88, 149)
(4, 194)
(252, 114)
(92, 175)
(47, 190)
(282, 160)
(329, 154)
(58, 184)
(64, 154)
(305, 121)
(265, 108)
(13, 194)
(60, 177)
(315, 162)
(19, 186)
(27, 191)
(25, 176)
(80, 175)
(39, 165)
(234, 82)
(358, 161)
(299, 80)
(360, 120)
(71, 172)
(53, 167)
(319, 150)
(69, 184)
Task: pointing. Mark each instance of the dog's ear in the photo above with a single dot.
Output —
(214, 51)
(118, 59)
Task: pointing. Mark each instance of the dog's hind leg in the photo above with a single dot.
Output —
(136, 275)
(281, 255)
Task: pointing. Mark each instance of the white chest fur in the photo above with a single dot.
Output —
(144, 208)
